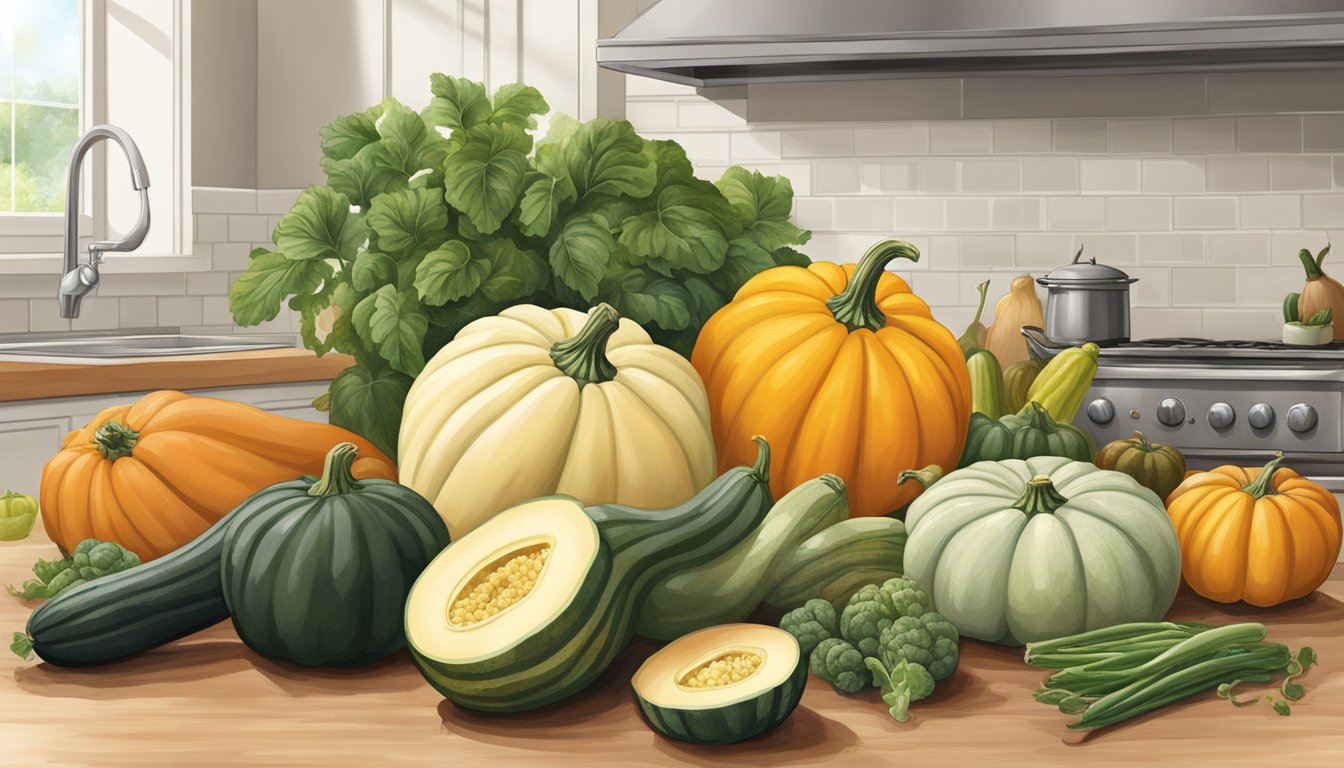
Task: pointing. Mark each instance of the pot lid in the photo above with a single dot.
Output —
(1086, 273)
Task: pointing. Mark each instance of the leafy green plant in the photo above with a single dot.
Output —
(92, 559)
(432, 220)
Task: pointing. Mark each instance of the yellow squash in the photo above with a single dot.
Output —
(1061, 385)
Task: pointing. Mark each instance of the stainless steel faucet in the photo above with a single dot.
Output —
(78, 279)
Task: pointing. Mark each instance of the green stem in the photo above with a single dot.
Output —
(583, 356)
(1037, 417)
(1040, 497)
(1309, 263)
(856, 306)
(925, 477)
(1263, 484)
(1144, 445)
(115, 441)
(336, 475)
(760, 469)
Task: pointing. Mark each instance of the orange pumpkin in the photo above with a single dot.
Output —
(843, 370)
(154, 475)
(1263, 535)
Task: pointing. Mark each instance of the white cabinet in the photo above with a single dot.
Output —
(31, 431)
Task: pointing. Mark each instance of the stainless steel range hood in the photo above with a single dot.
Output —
(732, 42)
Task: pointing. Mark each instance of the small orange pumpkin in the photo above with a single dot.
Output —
(1262, 535)
(844, 370)
(153, 475)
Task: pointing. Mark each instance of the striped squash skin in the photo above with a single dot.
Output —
(734, 722)
(136, 609)
(637, 549)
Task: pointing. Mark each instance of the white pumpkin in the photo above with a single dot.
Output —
(538, 401)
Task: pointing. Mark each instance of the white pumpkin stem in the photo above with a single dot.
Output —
(1040, 497)
(583, 356)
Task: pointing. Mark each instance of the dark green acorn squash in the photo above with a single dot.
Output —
(1024, 435)
(317, 569)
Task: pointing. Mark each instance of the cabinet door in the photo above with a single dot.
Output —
(25, 447)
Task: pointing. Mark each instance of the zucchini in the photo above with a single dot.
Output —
(1064, 381)
(728, 588)
(835, 563)
(1291, 308)
(133, 610)
(986, 384)
(573, 578)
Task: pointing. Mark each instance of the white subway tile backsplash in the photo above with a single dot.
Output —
(835, 177)
(140, 311)
(1119, 250)
(1017, 213)
(1153, 288)
(986, 250)
(937, 288)
(1323, 133)
(1109, 176)
(701, 148)
(1323, 211)
(712, 114)
(44, 316)
(863, 214)
(13, 315)
(276, 201)
(215, 311)
(207, 283)
(1049, 174)
(943, 252)
(756, 145)
(917, 213)
(1271, 212)
(1284, 246)
(1204, 135)
(1081, 136)
(1274, 133)
(651, 115)
(814, 212)
(98, 313)
(1173, 175)
(1266, 287)
(211, 228)
(1304, 172)
(248, 228)
(1206, 213)
(1138, 214)
(1043, 251)
(1076, 213)
(938, 175)
(965, 213)
(900, 139)
(828, 142)
(900, 176)
(1203, 286)
(1239, 248)
(154, 284)
(990, 175)
(1171, 248)
(223, 200)
(870, 178)
(1149, 137)
(1238, 173)
(1243, 323)
(965, 137)
(230, 257)
(1158, 323)
(1018, 137)
(184, 310)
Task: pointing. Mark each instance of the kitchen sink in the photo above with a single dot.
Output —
(134, 345)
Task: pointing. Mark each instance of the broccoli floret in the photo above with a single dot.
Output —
(93, 558)
(928, 640)
(901, 685)
(810, 623)
(840, 664)
(873, 608)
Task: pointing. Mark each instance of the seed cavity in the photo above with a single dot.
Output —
(499, 585)
(724, 669)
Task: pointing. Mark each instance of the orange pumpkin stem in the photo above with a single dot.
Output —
(856, 306)
(583, 356)
(1263, 484)
(337, 476)
(1040, 497)
(115, 441)
(925, 477)
(760, 469)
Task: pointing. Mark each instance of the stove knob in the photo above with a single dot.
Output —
(1171, 412)
(1261, 416)
(1301, 418)
(1221, 415)
(1101, 411)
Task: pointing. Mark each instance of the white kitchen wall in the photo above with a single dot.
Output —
(1204, 188)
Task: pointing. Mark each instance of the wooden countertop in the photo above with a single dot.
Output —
(37, 380)
(209, 700)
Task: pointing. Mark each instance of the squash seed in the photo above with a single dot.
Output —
(499, 585)
(725, 669)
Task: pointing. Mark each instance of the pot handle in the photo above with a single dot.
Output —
(1041, 344)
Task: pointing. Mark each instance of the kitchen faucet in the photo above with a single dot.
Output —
(78, 279)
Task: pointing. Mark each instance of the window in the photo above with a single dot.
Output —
(39, 101)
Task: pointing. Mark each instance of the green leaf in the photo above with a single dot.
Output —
(368, 402)
(605, 157)
(788, 257)
(453, 271)
(673, 167)
(320, 226)
(763, 204)
(256, 296)
(561, 127)
(394, 324)
(408, 145)
(706, 299)
(514, 273)
(744, 260)
(343, 336)
(1283, 708)
(458, 103)
(372, 270)
(685, 231)
(310, 308)
(581, 252)
(485, 177)
(22, 646)
(361, 179)
(515, 104)
(649, 298)
(344, 137)
(409, 219)
(540, 207)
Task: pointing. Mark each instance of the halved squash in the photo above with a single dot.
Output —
(722, 684)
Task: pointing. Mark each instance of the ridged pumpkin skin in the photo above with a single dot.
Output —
(882, 391)
(534, 402)
(1024, 435)
(154, 475)
(317, 570)
(1247, 535)
(1017, 381)
(1157, 467)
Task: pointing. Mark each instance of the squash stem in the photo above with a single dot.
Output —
(856, 306)
(760, 469)
(337, 477)
(1144, 445)
(1040, 497)
(1038, 417)
(583, 356)
(925, 477)
(1263, 484)
(1311, 265)
(115, 441)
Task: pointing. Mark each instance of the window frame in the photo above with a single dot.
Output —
(32, 242)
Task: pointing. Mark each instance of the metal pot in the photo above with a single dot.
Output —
(1087, 302)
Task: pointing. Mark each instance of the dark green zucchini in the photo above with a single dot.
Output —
(134, 610)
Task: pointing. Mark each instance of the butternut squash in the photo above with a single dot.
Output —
(1019, 307)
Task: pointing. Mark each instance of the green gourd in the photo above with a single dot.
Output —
(728, 588)
(1032, 432)
(316, 570)
(835, 563)
(986, 384)
(1017, 381)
